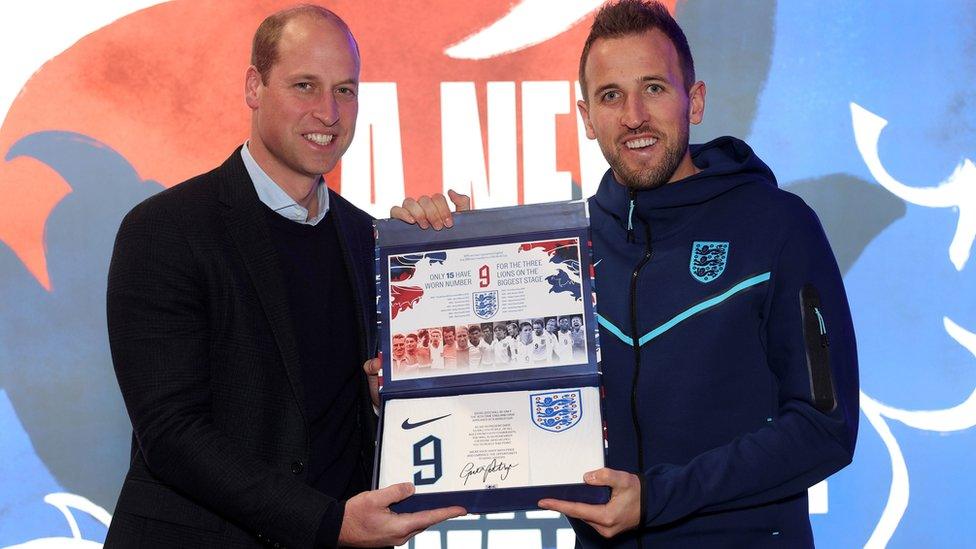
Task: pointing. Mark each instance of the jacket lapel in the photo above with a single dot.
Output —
(248, 228)
(352, 257)
(353, 269)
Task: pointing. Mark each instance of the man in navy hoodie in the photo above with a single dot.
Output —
(729, 363)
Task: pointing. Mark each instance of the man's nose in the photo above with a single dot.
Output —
(327, 110)
(635, 113)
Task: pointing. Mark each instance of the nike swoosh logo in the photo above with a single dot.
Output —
(407, 425)
(597, 262)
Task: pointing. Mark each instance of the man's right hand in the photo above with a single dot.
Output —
(369, 522)
(431, 211)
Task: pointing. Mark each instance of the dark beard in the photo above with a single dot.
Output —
(655, 176)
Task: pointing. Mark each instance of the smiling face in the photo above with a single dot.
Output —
(304, 109)
(638, 108)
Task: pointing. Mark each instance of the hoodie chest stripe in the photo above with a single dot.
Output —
(707, 304)
(614, 330)
(687, 313)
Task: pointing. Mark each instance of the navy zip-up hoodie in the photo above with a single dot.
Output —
(728, 354)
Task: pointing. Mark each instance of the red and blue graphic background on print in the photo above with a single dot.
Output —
(565, 255)
(403, 267)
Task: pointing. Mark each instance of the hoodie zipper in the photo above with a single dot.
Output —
(635, 336)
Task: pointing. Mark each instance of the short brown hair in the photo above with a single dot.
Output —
(264, 46)
(626, 17)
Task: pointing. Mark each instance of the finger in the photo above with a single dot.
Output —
(401, 213)
(384, 497)
(422, 520)
(574, 509)
(611, 477)
(462, 202)
(605, 477)
(372, 366)
(417, 212)
(443, 209)
(431, 212)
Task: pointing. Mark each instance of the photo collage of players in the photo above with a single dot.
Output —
(489, 346)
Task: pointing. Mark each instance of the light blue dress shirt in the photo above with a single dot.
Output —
(277, 199)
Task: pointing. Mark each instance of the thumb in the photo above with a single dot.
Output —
(462, 202)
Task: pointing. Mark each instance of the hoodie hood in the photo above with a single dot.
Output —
(725, 163)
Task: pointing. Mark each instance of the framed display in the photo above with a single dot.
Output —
(490, 394)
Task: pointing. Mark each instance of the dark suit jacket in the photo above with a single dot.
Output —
(204, 351)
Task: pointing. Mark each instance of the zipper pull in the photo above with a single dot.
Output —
(824, 342)
(630, 217)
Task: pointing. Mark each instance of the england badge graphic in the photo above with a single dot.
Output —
(708, 260)
(485, 303)
(556, 411)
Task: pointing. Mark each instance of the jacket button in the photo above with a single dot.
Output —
(297, 467)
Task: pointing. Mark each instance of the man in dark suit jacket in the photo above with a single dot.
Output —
(240, 312)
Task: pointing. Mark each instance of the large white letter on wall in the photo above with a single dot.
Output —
(372, 168)
(541, 102)
(463, 154)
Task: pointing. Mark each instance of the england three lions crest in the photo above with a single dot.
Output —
(708, 260)
(485, 303)
(556, 411)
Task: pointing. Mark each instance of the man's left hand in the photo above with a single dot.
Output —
(619, 514)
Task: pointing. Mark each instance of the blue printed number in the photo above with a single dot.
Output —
(433, 461)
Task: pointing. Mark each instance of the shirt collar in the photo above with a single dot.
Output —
(277, 199)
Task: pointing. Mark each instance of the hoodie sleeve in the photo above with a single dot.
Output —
(811, 352)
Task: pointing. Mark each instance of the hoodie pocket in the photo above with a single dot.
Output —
(817, 344)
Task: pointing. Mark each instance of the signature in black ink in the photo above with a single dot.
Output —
(494, 466)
